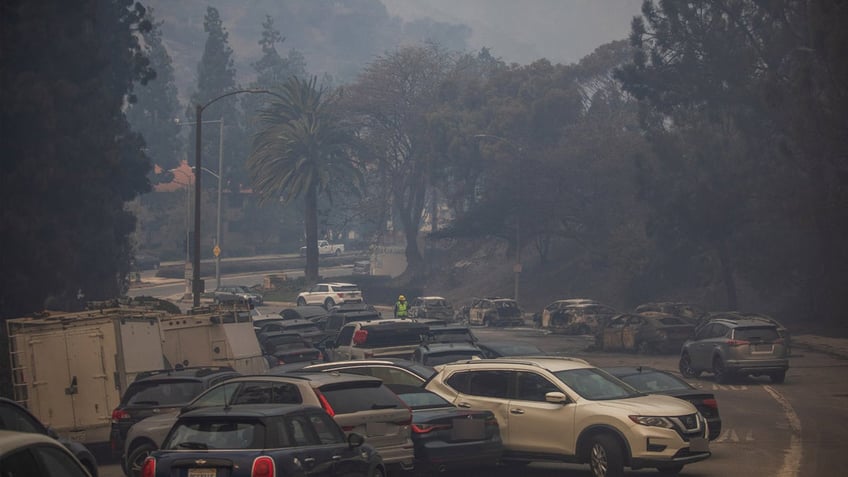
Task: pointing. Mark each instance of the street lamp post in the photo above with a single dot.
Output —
(197, 285)
(187, 186)
(220, 177)
(517, 267)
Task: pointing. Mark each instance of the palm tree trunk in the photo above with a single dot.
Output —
(311, 224)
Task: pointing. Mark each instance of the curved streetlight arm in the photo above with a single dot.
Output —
(197, 286)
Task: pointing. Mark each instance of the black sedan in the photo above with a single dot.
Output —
(447, 437)
(653, 381)
(262, 439)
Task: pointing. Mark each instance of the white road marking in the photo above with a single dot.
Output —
(729, 387)
(792, 458)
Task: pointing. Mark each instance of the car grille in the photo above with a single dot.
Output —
(688, 426)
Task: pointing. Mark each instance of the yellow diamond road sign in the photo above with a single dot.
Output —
(216, 250)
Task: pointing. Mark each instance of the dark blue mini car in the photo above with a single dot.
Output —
(256, 440)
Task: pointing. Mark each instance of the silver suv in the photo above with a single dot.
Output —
(730, 347)
(566, 410)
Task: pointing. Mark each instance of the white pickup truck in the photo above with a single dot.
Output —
(325, 248)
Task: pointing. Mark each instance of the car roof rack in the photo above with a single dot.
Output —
(526, 360)
(201, 371)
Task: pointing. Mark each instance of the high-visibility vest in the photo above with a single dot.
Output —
(400, 308)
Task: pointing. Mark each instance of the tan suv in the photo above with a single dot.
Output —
(566, 410)
(359, 404)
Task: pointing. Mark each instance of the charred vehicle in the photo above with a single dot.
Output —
(496, 312)
(431, 307)
(646, 333)
(579, 319)
(689, 312)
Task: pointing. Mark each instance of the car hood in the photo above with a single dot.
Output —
(649, 405)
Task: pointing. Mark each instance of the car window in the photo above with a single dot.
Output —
(533, 387)
(301, 431)
(718, 331)
(347, 288)
(162, 393)
(323, 288)
(326, 429)
(345, 335)
(489, 383)
(217, 396)
(346, 398)
(267, 392)
(15, 419)
(764, 333)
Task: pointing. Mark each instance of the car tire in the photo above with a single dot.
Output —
(337, 252)
(329, 303)
(606, 457)
(720, 372)
(301, 301)
(685, 367)
(136, 457)
(778, 378)
(669, 471)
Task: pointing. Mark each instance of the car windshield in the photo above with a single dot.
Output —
(652, 381)
(162, 393)
(216, 434)
(596, 385)
(435, 303)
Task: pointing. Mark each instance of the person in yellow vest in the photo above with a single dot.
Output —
(400, 307)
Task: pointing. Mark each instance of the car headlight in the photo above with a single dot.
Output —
(652, 421)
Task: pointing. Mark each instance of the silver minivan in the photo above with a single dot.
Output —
(729, 348)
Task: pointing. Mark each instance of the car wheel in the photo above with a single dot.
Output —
(377, 472)
(337, 252)
(329, 303)
(778, 378)
(722, 375)
(685, 367)
(136, 458)
(605, 457)
(301, 301)
(670, 471)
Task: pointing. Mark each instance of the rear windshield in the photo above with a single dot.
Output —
(346, 288)
(162, 393)
(759, 333)
(435, 303)
(380, 337)
(217, 434)
(304, 326)
(346, 398)
(286, 342)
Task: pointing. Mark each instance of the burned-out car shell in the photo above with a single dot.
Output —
(579, 319)
(648, 332)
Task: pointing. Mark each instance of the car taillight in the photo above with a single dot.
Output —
(148, 469)
(425, 428)
(360, 337)
(280, 361)
(325, 404)
(262, 467)
(737, 343)
(118, 415)
(711, 403)
(341, 295)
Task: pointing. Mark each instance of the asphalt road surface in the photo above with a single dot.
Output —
(796, 429)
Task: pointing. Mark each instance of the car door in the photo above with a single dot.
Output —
(630, 333)
(342, 346)
(612, 333)
(531, 418)
(485, 389)
(705, 341)
(318, 444)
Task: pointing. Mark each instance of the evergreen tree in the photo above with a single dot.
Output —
(157, 108)
(70, 161)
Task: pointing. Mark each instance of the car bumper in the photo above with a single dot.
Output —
(658, 447)
(403, 455)
(441, 455)
(757, 367)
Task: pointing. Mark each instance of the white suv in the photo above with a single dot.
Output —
(566, 410)
(330, 294)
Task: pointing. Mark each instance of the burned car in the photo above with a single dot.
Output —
(646, 333)
(496, 312)
(689, 312)
(430, 307)
(579, 319)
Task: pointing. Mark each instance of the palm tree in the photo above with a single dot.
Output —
(303, 149)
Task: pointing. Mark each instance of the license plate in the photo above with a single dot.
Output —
(699, 444)
(763, 348)
(468, 429)
(202, 472)
(378, 429)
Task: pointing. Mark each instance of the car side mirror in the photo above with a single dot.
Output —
(556, 397)
(355, 440)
